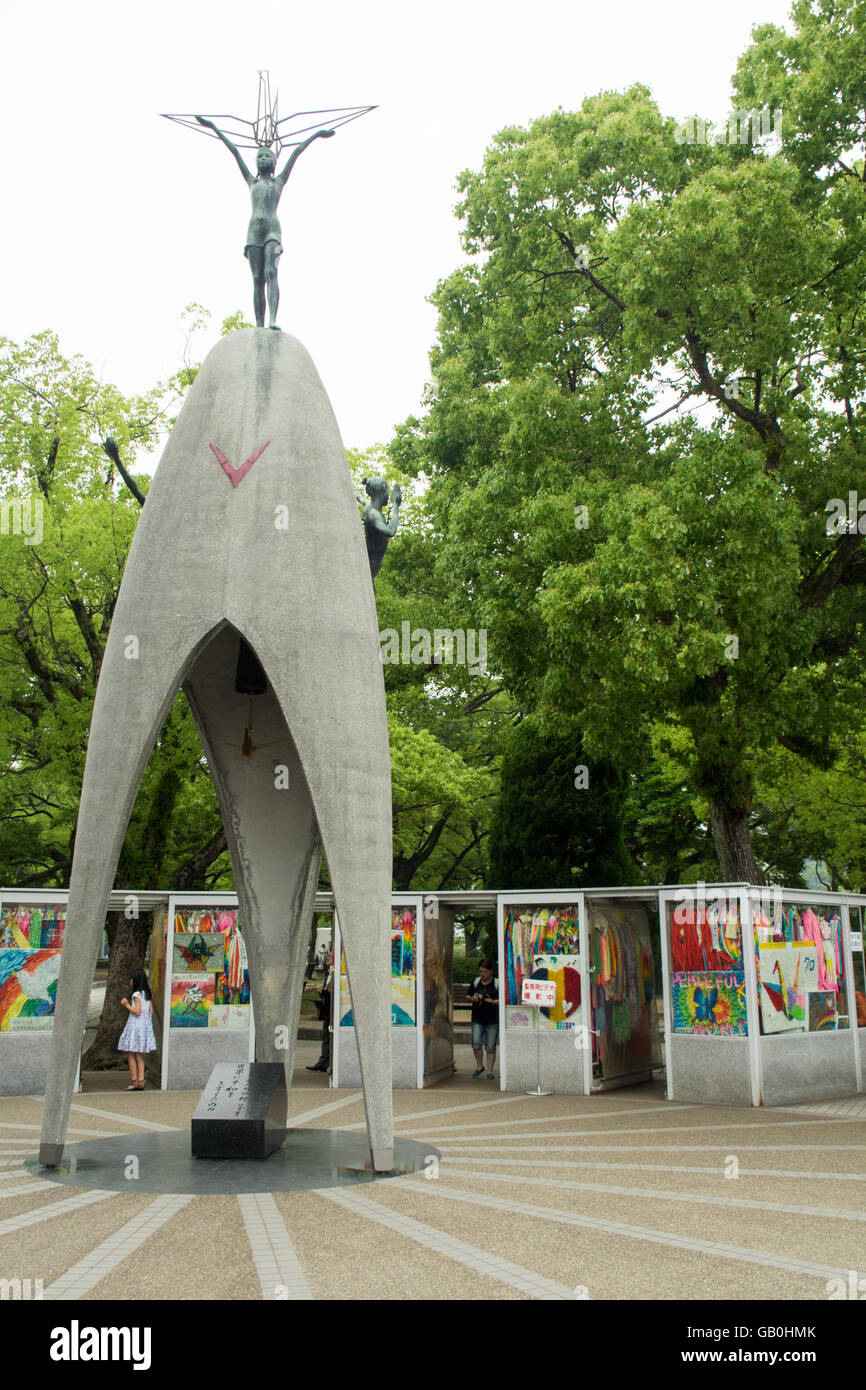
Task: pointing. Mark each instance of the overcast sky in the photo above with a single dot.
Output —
(114, 220)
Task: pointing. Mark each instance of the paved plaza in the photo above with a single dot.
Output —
(610, 1197)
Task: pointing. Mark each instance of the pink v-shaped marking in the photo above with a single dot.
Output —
(233, 474)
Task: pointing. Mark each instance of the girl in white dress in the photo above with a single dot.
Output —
(137, 1037)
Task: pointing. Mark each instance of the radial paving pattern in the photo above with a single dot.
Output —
(611, 1197)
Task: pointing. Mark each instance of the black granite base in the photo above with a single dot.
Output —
(242, 1111)
(309, 1158)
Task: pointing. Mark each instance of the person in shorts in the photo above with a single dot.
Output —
(484, 998)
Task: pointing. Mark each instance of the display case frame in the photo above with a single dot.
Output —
(619, 900)
(25, 1052)
(801, 1066)
(190, 1055)
(407, 1040)
(701, 1068)
(551, 1061)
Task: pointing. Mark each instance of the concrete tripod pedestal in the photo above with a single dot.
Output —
(251, 529)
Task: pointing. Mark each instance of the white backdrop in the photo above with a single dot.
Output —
(114, 220)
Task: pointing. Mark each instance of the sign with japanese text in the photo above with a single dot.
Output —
(542, 993)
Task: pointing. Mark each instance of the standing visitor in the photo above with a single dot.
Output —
(137, 1037)
(324, 1062)
(484, 998)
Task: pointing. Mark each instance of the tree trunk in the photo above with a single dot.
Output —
(190, 875)
(127, 944)
(471, 935)
(730, 827)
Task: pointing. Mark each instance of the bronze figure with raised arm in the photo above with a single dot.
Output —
(264, 248)
(377, 530)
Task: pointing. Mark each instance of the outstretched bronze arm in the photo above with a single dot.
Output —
(203, 120)
(293, 157)
(113, 452)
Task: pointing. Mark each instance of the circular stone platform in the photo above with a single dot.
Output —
(309, 1158)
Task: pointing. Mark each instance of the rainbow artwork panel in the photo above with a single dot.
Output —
(403, 961)
(32, 927)
(28, 989)
(402, 1002)
(403, 941)
(403, 973)
(821, 1011)
(530, 932)
(709, 1002)
(192, 998)
(347, 1018)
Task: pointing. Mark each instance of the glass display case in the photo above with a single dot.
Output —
(801, 968)
(807, 999)
(710, 999)
(625, 1015)
(31, 941)
(549, 1046)
(205, 1008)
(407, 1039)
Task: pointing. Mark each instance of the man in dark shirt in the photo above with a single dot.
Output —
(324, 1061)
(484, 998)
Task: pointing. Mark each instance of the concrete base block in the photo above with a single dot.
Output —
(808, 1066)
(709, 1071)
(561, 1062)
(195, 1052)
(24, 1063)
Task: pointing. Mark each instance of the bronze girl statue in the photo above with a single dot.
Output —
(264, 248)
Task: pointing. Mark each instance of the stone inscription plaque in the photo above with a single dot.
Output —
(242, 1111)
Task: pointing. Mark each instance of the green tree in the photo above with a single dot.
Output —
(639, 564)
(558, 821)
(446, 720)
(817, 812)
(666, 826)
